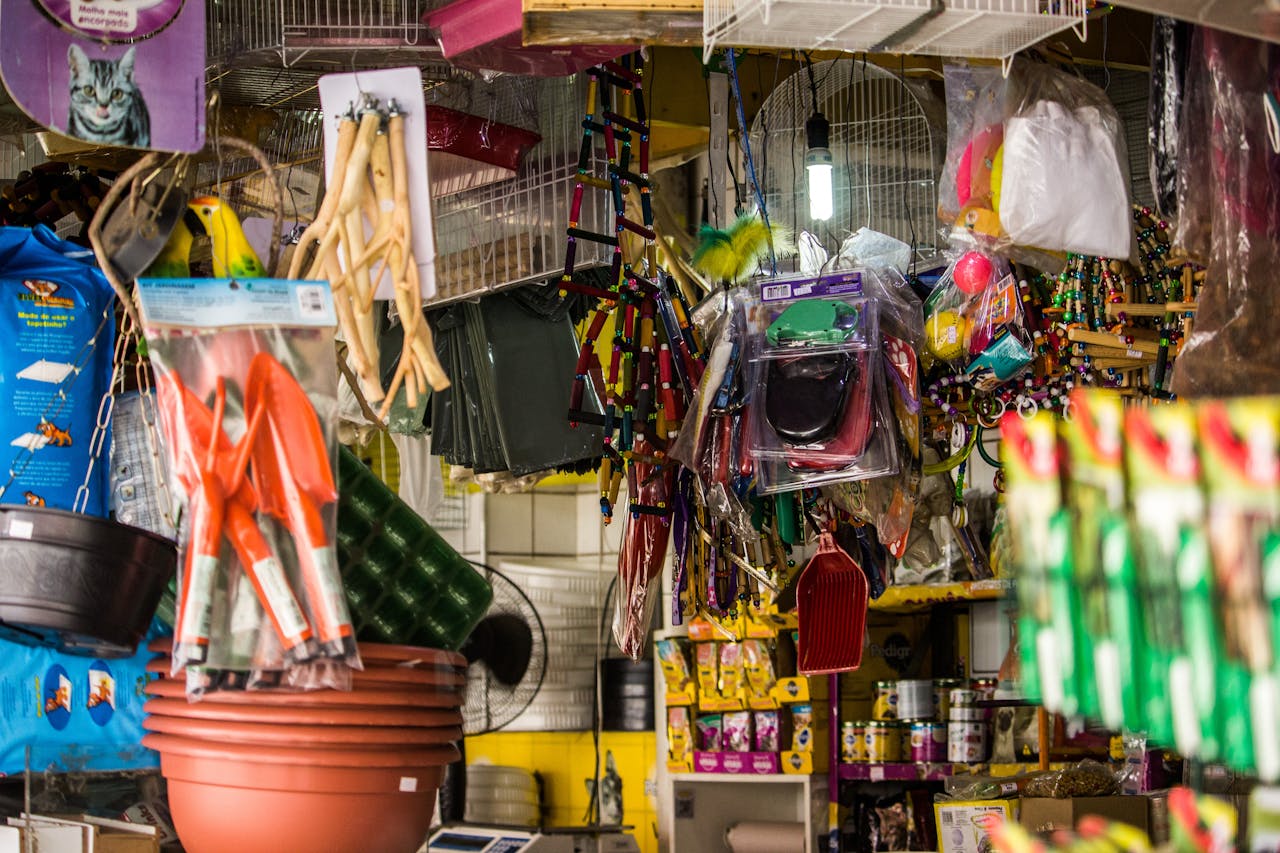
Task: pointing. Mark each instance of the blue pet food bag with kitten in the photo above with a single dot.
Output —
(63, 713)
(57, 322)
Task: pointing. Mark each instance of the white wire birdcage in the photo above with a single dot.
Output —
(994, 29)
(513, 232)
(294, 143)
(887, 143)
(337, 33)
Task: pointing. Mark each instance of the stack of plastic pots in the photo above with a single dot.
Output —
(262, 772)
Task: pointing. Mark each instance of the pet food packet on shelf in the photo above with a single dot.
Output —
(679, 736)
(737, 731)
(708, 665)
(674, 664)
(767, 731)
(802, 728)
(731, 669)
(246, 386)
(761, 676)
(710, 731)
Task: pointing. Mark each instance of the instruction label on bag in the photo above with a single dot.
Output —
(209, 303)
(807, 287)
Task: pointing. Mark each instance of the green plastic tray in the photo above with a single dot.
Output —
(405, 584)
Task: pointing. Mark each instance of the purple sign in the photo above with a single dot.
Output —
(144, 94)
(115, 20)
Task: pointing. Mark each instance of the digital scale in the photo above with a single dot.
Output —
(497, 839)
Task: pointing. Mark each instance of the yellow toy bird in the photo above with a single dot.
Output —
(174, 260)
(233, 257)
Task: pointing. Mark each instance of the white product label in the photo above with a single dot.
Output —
(213, 303)
(198, 597)
(311, 300)
(20, 529)
(334, 601)
(279, 595)
(408, 784)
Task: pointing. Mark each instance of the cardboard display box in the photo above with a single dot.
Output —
(1043, 815)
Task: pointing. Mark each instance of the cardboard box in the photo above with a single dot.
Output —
(960, 824)
(1043, 815)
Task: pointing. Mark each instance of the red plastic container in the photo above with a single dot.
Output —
(488, 35)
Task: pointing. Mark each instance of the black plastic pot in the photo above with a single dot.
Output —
(83, 585)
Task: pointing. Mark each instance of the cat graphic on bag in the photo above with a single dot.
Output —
(106, 104)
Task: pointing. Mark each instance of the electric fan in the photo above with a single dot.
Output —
(506, 658)
(878, 138)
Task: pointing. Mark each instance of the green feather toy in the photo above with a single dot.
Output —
(733, 255)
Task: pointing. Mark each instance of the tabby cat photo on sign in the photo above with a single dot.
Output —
(125, 73)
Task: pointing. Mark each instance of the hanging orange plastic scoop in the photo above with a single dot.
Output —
(294, 479)
(831, 603)
(210, 469)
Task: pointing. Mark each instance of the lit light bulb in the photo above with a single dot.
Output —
(818, 168)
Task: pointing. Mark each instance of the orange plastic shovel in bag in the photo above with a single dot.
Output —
(222, 501)
(294, 479)
(831, 604)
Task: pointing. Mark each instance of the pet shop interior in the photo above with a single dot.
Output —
(623, 426)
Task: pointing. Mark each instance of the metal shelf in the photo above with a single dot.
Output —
(1251, 19)
(909, 597)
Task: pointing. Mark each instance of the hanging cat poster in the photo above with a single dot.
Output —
(124, 73)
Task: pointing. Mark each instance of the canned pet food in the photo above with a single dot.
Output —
(928, 742)
(967, 714)
(964, 698)
(942, 688)
(884, 742)
(966, 742)
(860, 742)
(915, 699)
(985, 688)
(849, 742)
(904, 732)
(884, 704)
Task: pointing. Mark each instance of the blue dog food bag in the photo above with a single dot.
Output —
(58, 325)
(72, 713)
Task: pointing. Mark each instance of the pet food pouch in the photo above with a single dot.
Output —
(73, 713)
(737, 731)
(59, 330)
(708, 668)
(767, 739)
(710, 733)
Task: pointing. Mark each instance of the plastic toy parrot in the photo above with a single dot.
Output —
(233, 257)
(174, 259)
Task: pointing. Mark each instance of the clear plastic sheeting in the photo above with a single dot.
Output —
(1229, 217)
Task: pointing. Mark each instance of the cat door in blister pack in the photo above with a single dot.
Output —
(127, 73)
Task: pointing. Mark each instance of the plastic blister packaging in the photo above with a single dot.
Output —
(1065, 183)
(1229, 216)
(246, 383)
(969, 190)
(817, 391)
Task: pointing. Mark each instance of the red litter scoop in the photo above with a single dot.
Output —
(831, 599)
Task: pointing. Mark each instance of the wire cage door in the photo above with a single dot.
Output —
(887, 144)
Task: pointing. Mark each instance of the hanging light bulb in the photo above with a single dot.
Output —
(818, 168)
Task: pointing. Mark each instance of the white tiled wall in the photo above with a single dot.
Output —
(563, 522)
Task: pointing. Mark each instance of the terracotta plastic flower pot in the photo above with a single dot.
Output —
(320, 736)
(417, 656)
(372, 676)
(409, 655)
(279, 715)
(253, 799)
(376, 697)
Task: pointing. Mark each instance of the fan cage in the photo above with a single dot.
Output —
(993, 29)
(513, 232)
(887, 142)
(383, 33)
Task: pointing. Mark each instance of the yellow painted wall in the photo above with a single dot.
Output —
(566, 759)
